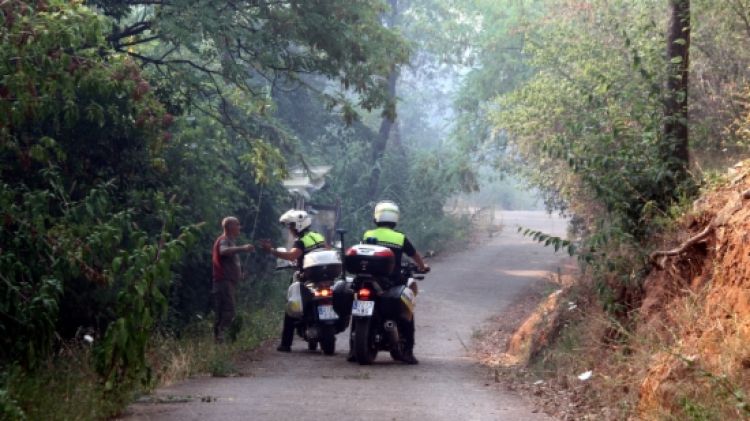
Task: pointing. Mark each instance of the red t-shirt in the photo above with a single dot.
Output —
(225, 268)
(218, 270)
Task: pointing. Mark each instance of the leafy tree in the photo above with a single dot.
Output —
(497, 64)
(720, 41)
(80, 155)
(209, 178)
(224, 58)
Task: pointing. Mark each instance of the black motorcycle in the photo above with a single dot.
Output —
(380, 307)
(320, 301)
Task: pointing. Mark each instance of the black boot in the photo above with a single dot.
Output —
(409, 358)
(351, 357)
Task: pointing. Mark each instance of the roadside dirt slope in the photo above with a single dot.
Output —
(698, 303)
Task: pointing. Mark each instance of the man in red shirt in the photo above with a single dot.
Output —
(227, 272)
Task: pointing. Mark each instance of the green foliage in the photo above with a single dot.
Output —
(65, 106)
(145, 274)
(695, 411)
(420, 183)
(79, 134)
(549, 240)
(209, 179)
(592, 118)
(718, 61)
(497, 65)
(66, 387)
(224, 59)
(582, 121)
(419, 178)
(9, 409)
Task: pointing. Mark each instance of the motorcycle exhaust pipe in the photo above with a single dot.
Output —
(392, 331)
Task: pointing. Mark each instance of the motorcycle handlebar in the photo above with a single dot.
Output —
(411, 268)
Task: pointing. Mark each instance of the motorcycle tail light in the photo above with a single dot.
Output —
(323, 293)
(364, 293)
(384, 253)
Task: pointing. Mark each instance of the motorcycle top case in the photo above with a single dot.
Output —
(370, 259)
(323, 265)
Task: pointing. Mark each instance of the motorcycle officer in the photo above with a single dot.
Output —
(386, 217)
(305, 241)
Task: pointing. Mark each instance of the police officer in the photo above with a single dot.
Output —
(386, 217)
(305, 241)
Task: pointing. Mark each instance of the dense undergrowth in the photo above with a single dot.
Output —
(67, 385)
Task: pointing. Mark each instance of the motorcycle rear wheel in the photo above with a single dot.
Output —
(397, 354)
(312, 345)
(364, 348)
(327, 340)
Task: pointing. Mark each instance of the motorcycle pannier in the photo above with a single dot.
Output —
(370, 259)
(323, 265)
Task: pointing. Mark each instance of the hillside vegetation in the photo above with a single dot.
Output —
(623, 115)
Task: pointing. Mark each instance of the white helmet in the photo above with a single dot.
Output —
(386, 211)
(297, 219)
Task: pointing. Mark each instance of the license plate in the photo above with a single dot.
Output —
(326, 312)
(362, 308)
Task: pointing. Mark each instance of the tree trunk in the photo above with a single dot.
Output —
(389, 116)
(676, 101)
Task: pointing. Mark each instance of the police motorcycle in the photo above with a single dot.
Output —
(318, 300)
(378, 305)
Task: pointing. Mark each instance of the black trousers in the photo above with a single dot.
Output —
(287, 332)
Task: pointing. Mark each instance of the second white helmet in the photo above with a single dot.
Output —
(386, 211)
(297, 219)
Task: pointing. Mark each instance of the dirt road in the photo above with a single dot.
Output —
(462, 291)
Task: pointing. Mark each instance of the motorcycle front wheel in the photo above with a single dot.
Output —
(364, 348)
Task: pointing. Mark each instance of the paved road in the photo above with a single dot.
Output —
(463, 291)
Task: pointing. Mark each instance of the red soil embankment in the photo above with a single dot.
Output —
(699, 303)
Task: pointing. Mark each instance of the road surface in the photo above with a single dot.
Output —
(462, 291)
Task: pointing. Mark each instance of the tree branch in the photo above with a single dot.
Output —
(740, 9)
(662, 255)
(139, 41)
(135, 29)
(158, 62)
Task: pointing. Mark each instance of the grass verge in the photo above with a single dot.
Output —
(68, 387)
